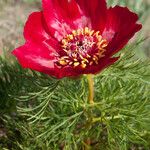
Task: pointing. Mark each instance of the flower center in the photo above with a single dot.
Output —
(81, 48)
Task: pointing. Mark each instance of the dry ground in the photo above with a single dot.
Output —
(13, 14)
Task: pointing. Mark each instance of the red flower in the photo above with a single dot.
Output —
(70, 38)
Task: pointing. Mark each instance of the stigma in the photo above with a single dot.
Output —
(82, 48)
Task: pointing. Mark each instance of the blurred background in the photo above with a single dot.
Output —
(14, 13)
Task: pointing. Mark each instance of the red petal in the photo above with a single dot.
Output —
(67, 72)
(36, 57)
(42, 59)
(104, 63)
(35, 30)
(62, 17)
(96, 10)
(94, 69)
(120, 28)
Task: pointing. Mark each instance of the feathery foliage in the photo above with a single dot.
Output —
(55, 114)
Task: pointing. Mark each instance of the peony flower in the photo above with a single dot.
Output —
(74, 37)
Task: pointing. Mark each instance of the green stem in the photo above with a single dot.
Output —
(91, 88)
(106, 118)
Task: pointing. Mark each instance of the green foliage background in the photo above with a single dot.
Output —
(38, 112)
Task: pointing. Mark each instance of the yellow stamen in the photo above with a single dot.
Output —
(78, 47)
(70, 37)
(86, 31)
(63, 62)
(97, 34)
(83, 65)
(76, 64)
(91, 32)
(74, 32)
(64, 42)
